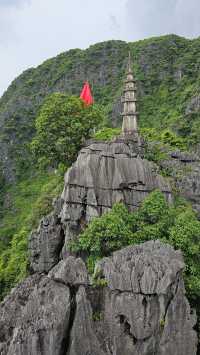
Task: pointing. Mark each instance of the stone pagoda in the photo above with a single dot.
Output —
(129, 99)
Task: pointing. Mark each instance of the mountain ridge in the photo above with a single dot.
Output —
(167, 70)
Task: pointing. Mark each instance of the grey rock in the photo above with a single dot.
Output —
(184, 167)
(142, 310)
(184, 157)
(70, 271)
(145, 309)
(106, 173)
(148, 268)
(83, 339)
(35, 318)
(11, 310)
(45, 244)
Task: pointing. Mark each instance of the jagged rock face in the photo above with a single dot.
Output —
(185, 169)
(142, 310)
(46, 243)
(103, 175)
(147, 301)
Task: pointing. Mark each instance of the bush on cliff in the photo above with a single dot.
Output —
(155, 219)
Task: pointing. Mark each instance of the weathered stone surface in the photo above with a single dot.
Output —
(184, 167)
(46, 243)
(145, 309)
(147, 268)
(142, 310)
(35, 318)
(70, 271)
(83, 339)
(106, 173)
(11, 310)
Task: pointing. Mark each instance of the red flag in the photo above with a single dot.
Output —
(86, 95)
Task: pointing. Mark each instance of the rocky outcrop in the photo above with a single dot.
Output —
(147, 297)
(135, 302)
(46, 243)
(184, 167)
(104, 173)
(141, 309)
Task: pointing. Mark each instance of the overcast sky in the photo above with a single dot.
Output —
(34, 30)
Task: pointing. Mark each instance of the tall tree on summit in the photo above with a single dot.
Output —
(61, 127)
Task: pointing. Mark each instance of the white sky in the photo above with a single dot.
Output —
(34, 30)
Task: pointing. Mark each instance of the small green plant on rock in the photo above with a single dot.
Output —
(97, 316)
(162, 323)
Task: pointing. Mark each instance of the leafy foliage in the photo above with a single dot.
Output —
(185, 235)
(107, 134)
(61, 127)
(155, 219)
(167, 69)
(30, 200)
(106, 234)
(166, 137)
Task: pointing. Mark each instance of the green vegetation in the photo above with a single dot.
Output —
(162, 323)
(155, 219)
(97, 316)
(160, 143)
(29, 200)
(99, 282)
(167, 69)
(166, 137)
(170, 80)
(61, 127)
(107, 134)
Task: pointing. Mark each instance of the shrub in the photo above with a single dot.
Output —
(155, 219)
(107, 134)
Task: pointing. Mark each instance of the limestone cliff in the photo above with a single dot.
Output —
(134, 304)
(141, 310)
(103, 174)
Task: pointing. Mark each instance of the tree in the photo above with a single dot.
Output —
(185, 235)
(110, 232)
(174, 224)
(61, 127)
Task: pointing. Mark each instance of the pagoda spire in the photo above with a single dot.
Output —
(129, 100)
